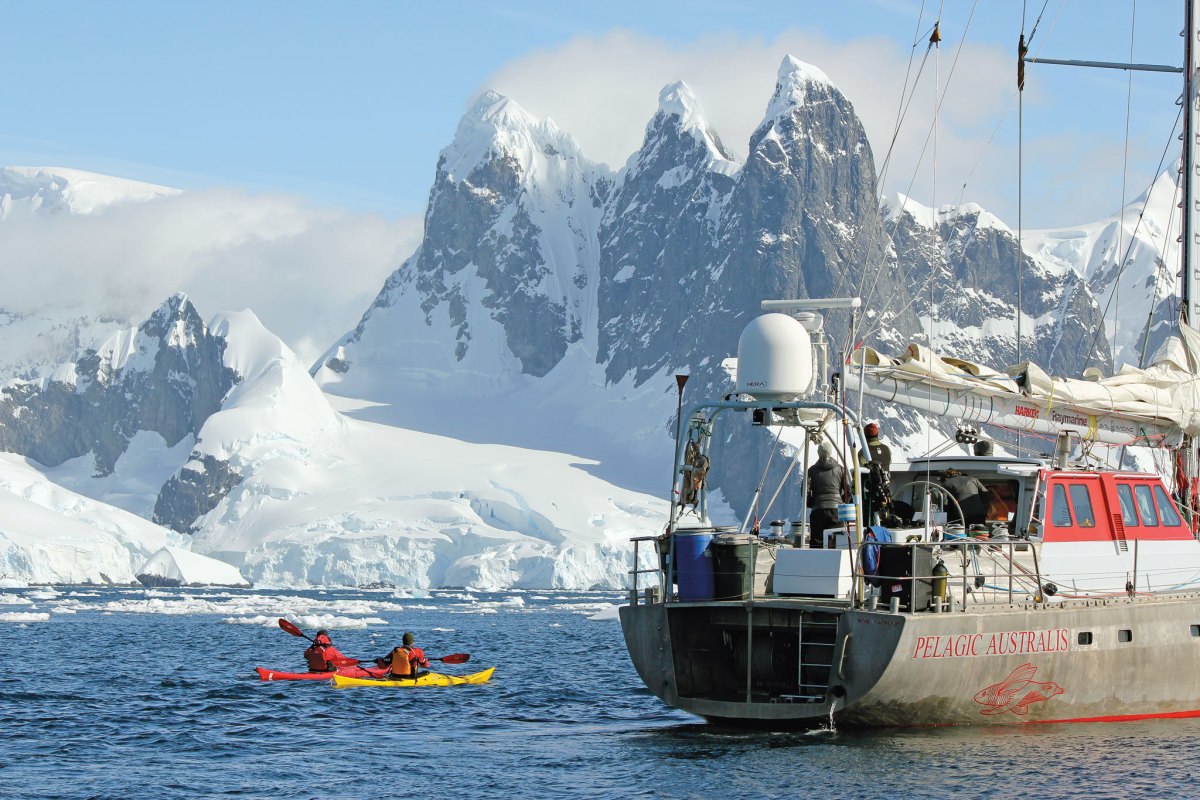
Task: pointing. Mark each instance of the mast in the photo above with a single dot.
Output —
(1188, 183)
(1186, 465)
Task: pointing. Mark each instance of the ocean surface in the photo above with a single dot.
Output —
(123, 693)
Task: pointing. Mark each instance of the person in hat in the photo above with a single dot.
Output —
(406, 661)
(322, 656)
(826, 479)
(880, 452)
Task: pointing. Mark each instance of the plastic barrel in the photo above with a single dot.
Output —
(733, 571)
(847, 512)
(693, 565)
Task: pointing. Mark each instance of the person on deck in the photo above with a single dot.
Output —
(971, 494)
(406, 661)
(880, 452)
(826, 480)
(322, 656)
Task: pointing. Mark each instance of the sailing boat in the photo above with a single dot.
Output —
(1071, 594)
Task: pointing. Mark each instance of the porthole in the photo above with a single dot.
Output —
(1085, 637)
(1124, 636)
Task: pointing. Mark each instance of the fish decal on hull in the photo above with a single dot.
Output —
(1016, 692)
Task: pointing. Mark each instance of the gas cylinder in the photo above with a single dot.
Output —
(939, 580)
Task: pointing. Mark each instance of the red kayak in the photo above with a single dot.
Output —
(349, 672)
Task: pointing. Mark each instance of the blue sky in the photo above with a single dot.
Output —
(349, 103)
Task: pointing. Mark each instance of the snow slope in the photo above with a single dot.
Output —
(49, 534)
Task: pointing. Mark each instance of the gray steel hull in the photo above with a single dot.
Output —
(1110, 659)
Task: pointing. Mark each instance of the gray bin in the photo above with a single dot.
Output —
(741, 560)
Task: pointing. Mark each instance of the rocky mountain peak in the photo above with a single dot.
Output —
(167, 376)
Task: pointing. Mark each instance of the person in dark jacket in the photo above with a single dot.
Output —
(826, 482)
(971, 494)
(880, 452)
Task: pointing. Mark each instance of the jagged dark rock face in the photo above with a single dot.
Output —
(173, 382)
(485, 240)
(800, 219)
(656, 238)
(192, 493)
(974, 274)
(462, 221)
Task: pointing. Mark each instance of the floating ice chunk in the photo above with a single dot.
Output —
(174, 566)
(24, 616)
(609, 612)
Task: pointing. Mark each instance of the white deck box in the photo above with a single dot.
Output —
(812, 573)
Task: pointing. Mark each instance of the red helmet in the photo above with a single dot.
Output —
(323, 639)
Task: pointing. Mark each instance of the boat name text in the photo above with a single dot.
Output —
(996, 644)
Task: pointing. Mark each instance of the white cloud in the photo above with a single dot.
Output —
(604, 89)
(308, 273)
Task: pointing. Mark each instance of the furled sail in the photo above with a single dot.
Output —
(1155, 406)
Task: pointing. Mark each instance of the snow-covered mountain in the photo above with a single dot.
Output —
(502, 414)
(25, 191)
(34, 341)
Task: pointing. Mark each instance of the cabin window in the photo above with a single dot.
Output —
(1196, 630)
(1084, 517)
(1059, 510)
(1145, 504)
(1124, 636)
(1085, 637)
(1166, 509)
(1128, 506)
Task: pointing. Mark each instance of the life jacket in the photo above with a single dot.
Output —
(315, 656)
(399, 663)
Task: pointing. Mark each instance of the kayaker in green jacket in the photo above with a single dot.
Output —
(406, 661)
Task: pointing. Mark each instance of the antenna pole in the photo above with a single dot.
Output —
(680, 380)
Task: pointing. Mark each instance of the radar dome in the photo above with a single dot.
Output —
(775, 359)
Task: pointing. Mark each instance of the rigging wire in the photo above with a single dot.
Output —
(869, 293)
(904, 273)
(1160, 262)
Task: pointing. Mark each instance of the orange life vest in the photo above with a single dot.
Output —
(399, 661)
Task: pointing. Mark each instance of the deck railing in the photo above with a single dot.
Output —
(896, 575)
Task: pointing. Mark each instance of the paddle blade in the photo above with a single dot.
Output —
(455, 658)
(290, 628)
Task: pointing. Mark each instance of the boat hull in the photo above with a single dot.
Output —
(1103, 659)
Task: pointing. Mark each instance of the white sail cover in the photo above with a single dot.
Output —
(1153, 406)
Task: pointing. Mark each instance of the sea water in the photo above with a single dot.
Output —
(123, 693)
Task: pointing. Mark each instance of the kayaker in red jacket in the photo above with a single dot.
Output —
(322, 656)
(406, 661)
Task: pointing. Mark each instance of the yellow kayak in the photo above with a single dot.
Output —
(432, 679)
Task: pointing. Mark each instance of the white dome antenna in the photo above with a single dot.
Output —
(775, 359)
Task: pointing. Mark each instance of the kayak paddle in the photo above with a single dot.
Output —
(453, 658)
(292, 629)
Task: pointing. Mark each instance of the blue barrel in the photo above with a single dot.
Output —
(693, 565)
(847, 512)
